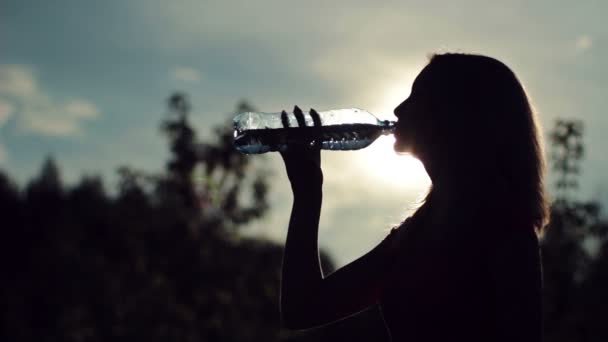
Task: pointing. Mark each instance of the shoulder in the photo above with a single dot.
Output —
(513, 252)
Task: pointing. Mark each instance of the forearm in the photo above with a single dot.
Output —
(301, 273)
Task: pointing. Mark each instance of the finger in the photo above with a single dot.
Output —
(316, 119)
(299, 116)
(284, 119)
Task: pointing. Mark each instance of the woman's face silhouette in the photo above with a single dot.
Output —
(414, 124)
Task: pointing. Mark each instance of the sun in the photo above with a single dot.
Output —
(380, 161)
(386, 167)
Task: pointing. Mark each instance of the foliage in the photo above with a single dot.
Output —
(160, 261)
(575, 276)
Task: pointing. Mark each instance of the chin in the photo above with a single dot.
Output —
(402, 147)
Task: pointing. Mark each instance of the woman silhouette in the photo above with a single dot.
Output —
(466, 265)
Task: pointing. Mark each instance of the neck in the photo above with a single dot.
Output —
(454, 191)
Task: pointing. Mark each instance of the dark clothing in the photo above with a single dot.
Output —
(446, 283)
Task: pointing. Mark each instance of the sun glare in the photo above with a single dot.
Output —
(380, 161)
(383, 164)
(393, 91)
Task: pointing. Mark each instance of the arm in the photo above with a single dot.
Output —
(308, 298)
(516, 274)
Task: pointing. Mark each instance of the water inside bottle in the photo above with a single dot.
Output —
(332, 137)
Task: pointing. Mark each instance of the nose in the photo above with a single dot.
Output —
(400, 109)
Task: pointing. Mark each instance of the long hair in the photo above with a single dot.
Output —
(488, 133)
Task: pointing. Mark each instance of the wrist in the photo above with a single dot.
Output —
(307, 194)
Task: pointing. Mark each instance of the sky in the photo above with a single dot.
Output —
(86, 82)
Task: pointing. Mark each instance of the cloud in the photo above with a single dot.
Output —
(186, 74)
(81, 109)
(6, 111)
(41, 115)
(17, 80)
(3, 154)
(584, 43)
(35, 110)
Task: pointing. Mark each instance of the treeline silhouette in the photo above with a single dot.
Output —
(575, 249)
(162, 258)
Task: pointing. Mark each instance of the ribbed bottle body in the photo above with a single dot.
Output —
(341, 129)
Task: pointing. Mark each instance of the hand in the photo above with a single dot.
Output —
(303, 165)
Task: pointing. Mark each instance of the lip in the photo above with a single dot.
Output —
(398, 127)
(397, 135)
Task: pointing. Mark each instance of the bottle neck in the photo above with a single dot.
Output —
(388, 127)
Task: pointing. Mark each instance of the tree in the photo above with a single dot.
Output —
(573, 276)
(182, 142)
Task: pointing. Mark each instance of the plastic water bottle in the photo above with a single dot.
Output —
(339, 129)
